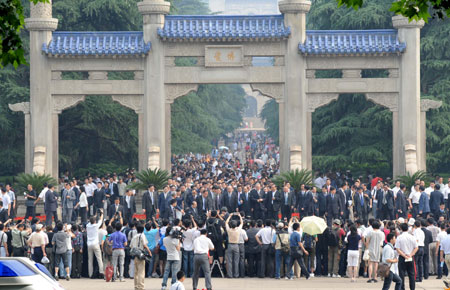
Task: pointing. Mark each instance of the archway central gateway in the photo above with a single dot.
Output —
(224, 48)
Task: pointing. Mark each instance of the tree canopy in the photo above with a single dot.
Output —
(99, 135)
(352, 133)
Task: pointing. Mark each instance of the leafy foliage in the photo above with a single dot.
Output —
(269, 114)
(409, 179)
(36, 180)
(296, 178)
(157, 177)
(413, 9)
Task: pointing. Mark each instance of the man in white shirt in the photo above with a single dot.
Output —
(418, 257)
(445, 251)
(407, 247)
(446, 192)
(92, 230)
(4, 196)
(414, 198)
(429, 189)
(12, 200)
(188, 246)
(440, 237)
(396, 188)
(264, 238)
(42, 194)
(202, 245)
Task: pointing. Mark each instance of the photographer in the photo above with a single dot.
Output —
(139, 241)
(232, 252)
(18, 239)
(172, 244)
(115, 210)
(93, 243)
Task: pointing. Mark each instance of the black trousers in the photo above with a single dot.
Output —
(418, 259)
(19, 252)
(77, 259)
(267, 267)
(253, 263)
(30, 212)
(321, 262)
(286, 212)
(407, 268)
(426, 263)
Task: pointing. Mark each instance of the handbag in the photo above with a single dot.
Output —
(296, 252)
(366, 255)
(136, 252)
(24, 246)
(384, 270)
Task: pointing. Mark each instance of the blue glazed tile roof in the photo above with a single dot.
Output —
(224, 27)
(97, 43)
(351, 42)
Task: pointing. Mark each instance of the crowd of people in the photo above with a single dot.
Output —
(221, 215)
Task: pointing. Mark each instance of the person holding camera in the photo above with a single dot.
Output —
(140, 242)
(232, 252)
(202, 246)
(93, 244)
(173, 246)
(19, 235)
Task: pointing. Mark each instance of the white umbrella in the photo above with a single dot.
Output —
(313, 225)
(223, 148)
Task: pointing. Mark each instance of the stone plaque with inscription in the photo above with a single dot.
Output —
(224, 56)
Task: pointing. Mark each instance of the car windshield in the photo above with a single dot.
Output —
(44, 270)
(14, 268)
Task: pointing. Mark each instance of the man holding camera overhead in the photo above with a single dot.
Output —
(173, 246)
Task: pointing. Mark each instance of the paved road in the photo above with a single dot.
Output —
(250, 284)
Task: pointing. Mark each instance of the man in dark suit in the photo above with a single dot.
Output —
(99, 197)
(217, 198)
(304, 201)
(401, 203)
(385, 206)
(114, 208)
(360, 206)
(341, 194)
(3, 213)
(257, 198)
(436, 199)
(193, 211)
(50, 205)
(246, 202)
(426, 248)
(163, 204)
(31, 198)
(322, 201)
(191, 197)
(171, 212)
(229, 200)
(150, 203)
(273, 203)
(333, 206)
(129, 205)
(114, 189)
(204, 202)
(287, 203)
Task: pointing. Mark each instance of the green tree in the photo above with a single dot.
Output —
(269, 114)
(413, 9)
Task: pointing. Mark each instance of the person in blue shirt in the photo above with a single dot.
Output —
(151, 233)
(119, 242)
(297, 251)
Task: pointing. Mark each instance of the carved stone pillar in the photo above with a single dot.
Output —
(40, 25)
(25, 108)
(409, 125)
(153, 13)
(296, 117)
(425, 106)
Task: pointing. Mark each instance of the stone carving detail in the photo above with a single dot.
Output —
(399, 21)
(41, 24)
(296, 157)
(39, 160)
(175, 91)
(427, 104)
(153, 7)
(56, 75)
(139, 75)
(20, 107)
(294, 6)
(310, 74)
(41, 10)
(98, 75)
(411, 158)
(315, 101)
(393, 73)
(275, 91)
(153, 157)
(387, 100)
(351, 73)
(133, 102)
(61, 102)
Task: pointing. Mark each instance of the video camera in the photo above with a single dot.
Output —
(177, 234)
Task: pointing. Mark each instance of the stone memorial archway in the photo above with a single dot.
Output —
(224, 48)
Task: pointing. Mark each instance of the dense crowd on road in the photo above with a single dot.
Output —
(221, 215)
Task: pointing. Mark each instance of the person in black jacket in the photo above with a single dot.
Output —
(273, 203)
(400, 202)
(333, 206)
(150, 203)
(31, 198)
(253, 249)
(436, 199)
(322, 201)
(257, 197)
(99, 197)
(50, 205)
(426, 249)
(385, 205)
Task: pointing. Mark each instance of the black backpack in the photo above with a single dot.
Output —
(213, 233)
(333, 238)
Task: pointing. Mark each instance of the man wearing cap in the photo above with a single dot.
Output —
(333, 250)
(232, 252)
